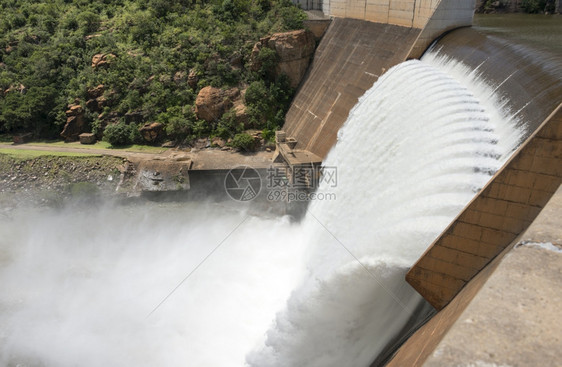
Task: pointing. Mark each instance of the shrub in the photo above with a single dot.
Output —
(268, 60)
(533, 6)
(243, 141)
(118, 134)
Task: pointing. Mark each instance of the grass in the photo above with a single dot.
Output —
(30, 153)
(102, 145)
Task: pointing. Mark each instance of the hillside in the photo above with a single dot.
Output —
(119, 65)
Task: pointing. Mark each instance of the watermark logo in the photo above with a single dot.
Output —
(302, 177)
(300, 182)
(242, 183)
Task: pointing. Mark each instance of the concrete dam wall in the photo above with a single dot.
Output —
(349, 59)
(365, 39)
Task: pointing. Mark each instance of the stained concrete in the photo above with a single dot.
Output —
(435, 17)
(515, 320)
(364, 40)
(352, 55)
(508, 315)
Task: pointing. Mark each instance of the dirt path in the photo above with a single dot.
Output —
(205, 159)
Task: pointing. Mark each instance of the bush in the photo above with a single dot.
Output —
(243, 141)
(118, 134)
(268, 59)
(533, 6)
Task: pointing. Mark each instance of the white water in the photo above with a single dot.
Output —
(413, 152)
(77, 285)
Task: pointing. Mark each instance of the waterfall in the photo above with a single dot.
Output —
(80, 286)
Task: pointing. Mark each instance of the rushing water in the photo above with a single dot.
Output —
(85, 286)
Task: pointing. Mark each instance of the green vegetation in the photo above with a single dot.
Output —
(30, 153)
(150, 49)
(98, 145)
(245, 142)
(120, 134)
(538, 6)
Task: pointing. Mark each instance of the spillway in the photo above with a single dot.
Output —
(413, 152)
(86, 286)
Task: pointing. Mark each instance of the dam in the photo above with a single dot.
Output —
(429, 195)
(529, 82)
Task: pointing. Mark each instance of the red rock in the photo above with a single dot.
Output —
(74, 126)
(152, 132)
(211, 103)
(100, 60)
(87, 138)
(192, 79)
(96, 92)
(294, 50)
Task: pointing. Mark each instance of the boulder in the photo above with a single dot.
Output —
(74, 110)
(218, 142)
(152, 132)
(22, 138)
(192, 79)
(92, 105)
(100, 60)
(236, 61)
(201, 143)
(73, 128)
(96, 105)
(294, 50)
(241, 114)
(211, 103)
(87, 138)
(75, 122)
(180, 77)
(96, 92)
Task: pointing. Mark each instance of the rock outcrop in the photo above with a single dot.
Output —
(241, 113)
(19, 88)
(96, 100)
(100, 60)
(294, 50)
(75, 122)
(152, 132)
(179, 77)
(211, 103)
(96, 91)
(192, 79)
